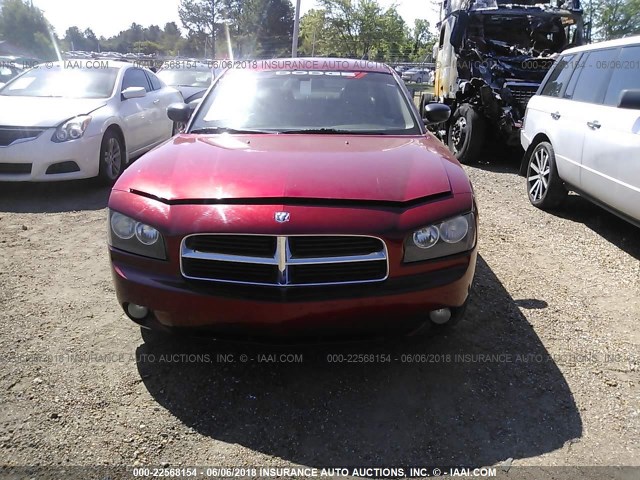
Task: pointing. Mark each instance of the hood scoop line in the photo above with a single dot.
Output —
(297, 201)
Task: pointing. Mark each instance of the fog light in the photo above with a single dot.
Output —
(440, 316)
(137, 312)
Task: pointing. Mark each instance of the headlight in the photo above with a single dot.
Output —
(452, 236)
(132, 236)
(71, 129)
(426, 237)
(454, 230)
(146, 235)
(123, 226)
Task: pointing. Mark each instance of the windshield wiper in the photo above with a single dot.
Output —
(331, 131)
(214, 130)
(317, 130)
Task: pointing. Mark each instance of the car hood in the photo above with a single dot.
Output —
(285, 166)
(44, 111)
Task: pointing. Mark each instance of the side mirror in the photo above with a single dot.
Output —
(629, 99)
(435, 113)
(179, 112)
(193, 104)
(134, 92)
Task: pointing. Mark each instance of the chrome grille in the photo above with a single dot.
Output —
(246, 245)
(230, 271)
(298, 260)
(11, 135)
(308, 247)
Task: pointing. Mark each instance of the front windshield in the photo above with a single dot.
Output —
(63, 82)
(186, 78)
(289, 101)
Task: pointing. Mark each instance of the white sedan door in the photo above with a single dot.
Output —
(162, 96)
(137, 113)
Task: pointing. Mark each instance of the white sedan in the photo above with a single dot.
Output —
(81, 119)
(418, 75)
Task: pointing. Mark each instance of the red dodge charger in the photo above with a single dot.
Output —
(305, 197)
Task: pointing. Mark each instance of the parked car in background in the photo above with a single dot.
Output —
(191, 78)
(298, 202)
(582, 129)
(81, 119)
(417, 75)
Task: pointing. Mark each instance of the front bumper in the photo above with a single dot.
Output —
(400, 303)
(41, 153)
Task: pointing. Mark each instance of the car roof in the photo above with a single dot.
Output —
(620, 42)
(321, 63)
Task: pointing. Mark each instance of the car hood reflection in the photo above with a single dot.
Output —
(341, 167)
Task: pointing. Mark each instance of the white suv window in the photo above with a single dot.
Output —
(559, 77)
(594, 70)
(626, 74)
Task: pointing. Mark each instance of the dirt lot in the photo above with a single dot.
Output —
(549, 376)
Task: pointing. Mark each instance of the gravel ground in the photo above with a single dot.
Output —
(543, 370)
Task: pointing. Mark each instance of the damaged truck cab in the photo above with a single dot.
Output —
(490, 59)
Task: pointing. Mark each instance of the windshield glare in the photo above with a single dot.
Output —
(357, 102)
(186, 78)
(63, 82)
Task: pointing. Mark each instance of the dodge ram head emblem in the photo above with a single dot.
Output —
(282, 217)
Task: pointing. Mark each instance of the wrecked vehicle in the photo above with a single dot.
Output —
(491, 57)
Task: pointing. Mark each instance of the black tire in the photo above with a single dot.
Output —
(466, 134)
(545, 188)
(156, 337)
(112, 158)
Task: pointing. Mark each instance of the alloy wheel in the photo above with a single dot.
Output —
(113, 158)
(538, 174)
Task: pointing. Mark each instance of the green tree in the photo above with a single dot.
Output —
(25, 27)
(256, 28)
(422, 41)
(201, 19)
(153, 33)
(395, 33)
(354, 28)
(172, 41)
(274, 27)
(615, 18)
(74, 39)
(92, 40)
(315, 36)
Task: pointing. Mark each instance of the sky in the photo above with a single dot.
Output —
(109, 18)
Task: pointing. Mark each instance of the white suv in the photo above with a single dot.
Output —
(582, 129)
